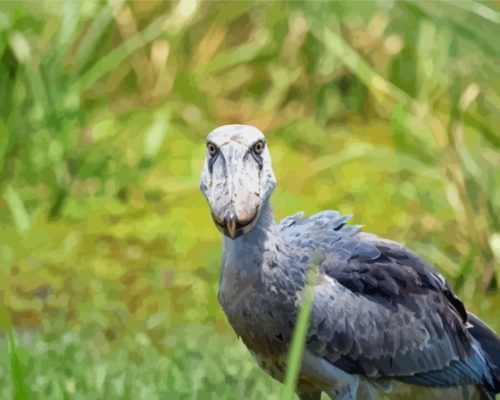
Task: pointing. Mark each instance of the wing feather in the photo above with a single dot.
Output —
(382, 311)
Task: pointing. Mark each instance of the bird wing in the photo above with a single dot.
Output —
(380, 310)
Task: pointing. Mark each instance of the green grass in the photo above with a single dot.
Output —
(109, 260)
(20, 389)
(197, 363)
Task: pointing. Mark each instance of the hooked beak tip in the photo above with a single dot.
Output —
(231, 225)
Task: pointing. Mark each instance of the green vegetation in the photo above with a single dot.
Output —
(300, 333)
(63, 365)
(109, 260)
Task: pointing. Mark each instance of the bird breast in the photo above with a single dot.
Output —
(250, 302)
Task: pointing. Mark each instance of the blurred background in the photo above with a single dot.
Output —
(109, 260)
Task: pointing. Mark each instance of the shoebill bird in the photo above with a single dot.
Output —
(383, 320)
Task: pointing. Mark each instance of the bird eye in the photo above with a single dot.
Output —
(212, 149)
(258, 147)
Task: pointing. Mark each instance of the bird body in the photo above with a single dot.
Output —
(380, 313)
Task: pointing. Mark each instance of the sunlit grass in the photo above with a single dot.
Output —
(64, 365)
(388, 110)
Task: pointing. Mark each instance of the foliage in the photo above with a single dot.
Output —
(60, 365)
(384, 109)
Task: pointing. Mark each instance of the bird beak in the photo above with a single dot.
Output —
(235, 191)
(231, 225)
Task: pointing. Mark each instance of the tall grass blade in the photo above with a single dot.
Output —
(93, 35)
(300, 332)
(169, 26)
(4, 141)
(476, 8)
(19, 389)
(17, 209)
(373, 81)
(156, 133)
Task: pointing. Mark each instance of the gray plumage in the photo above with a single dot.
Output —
(380, 313)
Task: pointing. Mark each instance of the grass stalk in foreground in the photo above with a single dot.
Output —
(19, 389)
(299, 333)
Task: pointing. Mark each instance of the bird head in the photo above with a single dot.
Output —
(237, 178)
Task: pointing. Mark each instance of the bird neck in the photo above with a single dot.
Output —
(261, 245)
